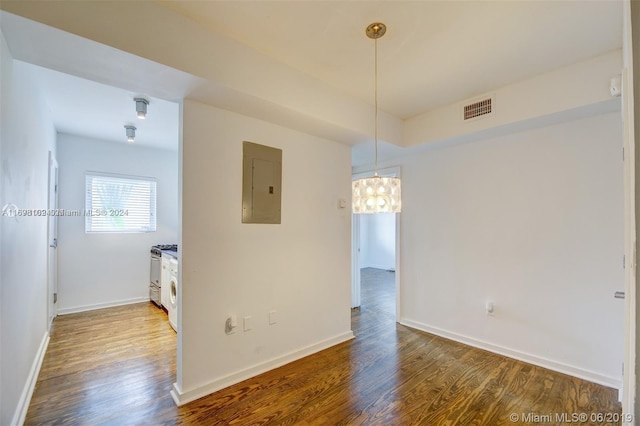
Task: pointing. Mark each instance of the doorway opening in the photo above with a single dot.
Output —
(375, 260)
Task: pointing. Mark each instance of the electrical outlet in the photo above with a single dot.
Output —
(247, 323)
(272, 317)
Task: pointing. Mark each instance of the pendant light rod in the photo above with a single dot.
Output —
(376, 194)
(375, 79)
(375, 31)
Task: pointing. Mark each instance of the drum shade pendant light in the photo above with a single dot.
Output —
(376, 194)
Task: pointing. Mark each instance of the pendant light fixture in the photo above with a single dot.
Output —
(376, 194)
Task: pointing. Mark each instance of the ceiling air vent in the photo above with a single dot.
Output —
(478, 108)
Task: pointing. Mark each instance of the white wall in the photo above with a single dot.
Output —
(575, 90)
(378, 241)
(532, 221)
(98, 270)
(299, 268)
(27, 136)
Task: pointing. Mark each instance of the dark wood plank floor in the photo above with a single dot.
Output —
(116, 366)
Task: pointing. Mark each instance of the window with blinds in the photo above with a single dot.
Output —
(117, 203)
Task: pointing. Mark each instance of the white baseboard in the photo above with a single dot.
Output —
(85, 308)
(180, 397)
(386, 268)
(27, 392)
(581, 373)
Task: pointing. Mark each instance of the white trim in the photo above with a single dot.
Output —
(76, 309)
(628, 394)
(52, 254)
(383, 267)
(180, 397)
(27, 392)
(355, 261)
(120, 176)
(581, 373)
(397, 270)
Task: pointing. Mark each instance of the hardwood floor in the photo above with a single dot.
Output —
(110, 365)
(116, 366)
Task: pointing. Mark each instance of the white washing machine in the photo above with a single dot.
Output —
(172, 307)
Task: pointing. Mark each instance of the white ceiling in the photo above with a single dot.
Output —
(86, 108)
(434, 53)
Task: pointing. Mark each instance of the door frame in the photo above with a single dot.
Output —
(52, 240)
(355, 244)
(628, 123)
(355, 261)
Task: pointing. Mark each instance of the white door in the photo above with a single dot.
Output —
(52, 232)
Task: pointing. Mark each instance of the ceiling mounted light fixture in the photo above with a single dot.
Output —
(131, 132)
(141, 107)
(377, 194)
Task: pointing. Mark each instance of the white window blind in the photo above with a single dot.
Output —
(117, 203)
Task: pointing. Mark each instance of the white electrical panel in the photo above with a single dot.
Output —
(261, 184)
